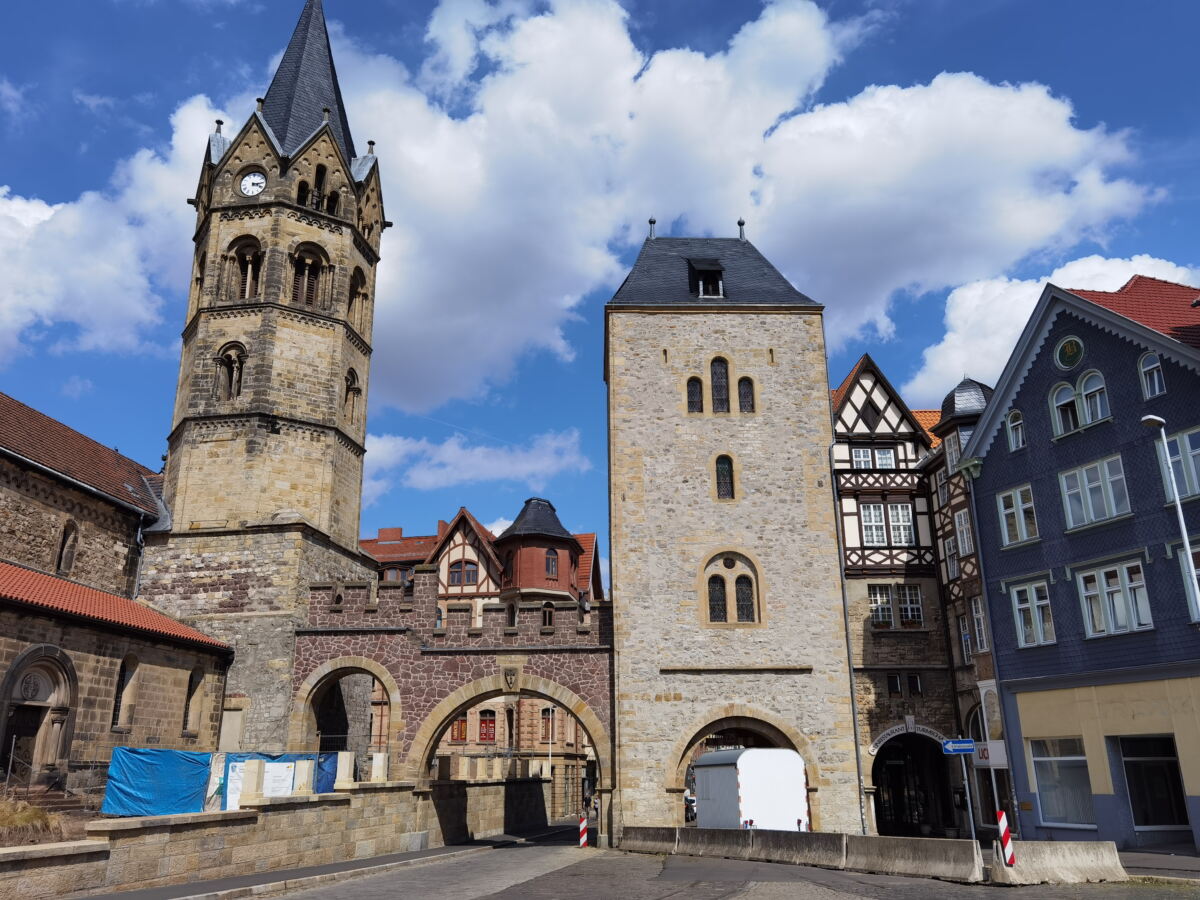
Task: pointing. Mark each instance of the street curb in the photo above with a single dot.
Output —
(1163, 879)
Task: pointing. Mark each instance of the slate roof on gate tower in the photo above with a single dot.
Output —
(661, 275)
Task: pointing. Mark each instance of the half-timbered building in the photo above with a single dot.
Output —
(903, 686)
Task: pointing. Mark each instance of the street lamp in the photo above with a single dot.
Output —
(1190, 564)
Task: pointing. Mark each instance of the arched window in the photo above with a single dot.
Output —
(191, 705)
(716, 599)
(511, 615)
(695, 395)
(201, 268)
(548, 723)
(247, 259)
(547, 615)
(1066, 412)
(231, 364)
(470, 572)
(456, 572)
(302, 193)
(308, 267)
(724, 478)
(331, 203)
(318, 193)
(124, 695)
(1153, 382)
(1095, 397)
(352, 404)
(744, 592)
(745, 395)
(356, 306)
(67, 546)
(487, 726)
(551, 563)
(438, 620)
(1016, 430)
(719, 370)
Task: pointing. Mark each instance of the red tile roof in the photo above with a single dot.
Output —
(414, 549)
(838, 394)
(49, 443)
(1161, 305)
(57, 595)
(927, 418)
(584, 577)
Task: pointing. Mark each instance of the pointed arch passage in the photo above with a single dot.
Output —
(719, 371)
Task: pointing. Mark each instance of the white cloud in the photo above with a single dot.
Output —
(76, 386)
(424, 465)
(94, 102)
(985, 318)
(12, 99)
(498, 526)
(509, 213)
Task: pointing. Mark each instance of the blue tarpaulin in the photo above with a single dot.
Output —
(326, 773)
(145, 781)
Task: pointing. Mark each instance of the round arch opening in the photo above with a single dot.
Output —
(912, 788)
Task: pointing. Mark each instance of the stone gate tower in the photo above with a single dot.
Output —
(728, 616)
(264, 472)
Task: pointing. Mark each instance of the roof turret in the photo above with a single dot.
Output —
(967, 401)
(538, 518)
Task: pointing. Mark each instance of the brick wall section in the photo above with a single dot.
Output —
(34, 509)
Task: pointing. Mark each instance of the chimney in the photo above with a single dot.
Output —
(326, 111)
(258, 101)
(741, 229)
(220, 122)
(370, 148)
(653, 222)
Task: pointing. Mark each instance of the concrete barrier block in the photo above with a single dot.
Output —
(727, 843)
(950, 860)
(648, 840)
(801, 848)
(1059, 862)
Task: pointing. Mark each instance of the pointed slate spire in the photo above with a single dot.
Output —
(305, 85)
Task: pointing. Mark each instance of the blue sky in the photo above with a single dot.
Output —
(922, 168)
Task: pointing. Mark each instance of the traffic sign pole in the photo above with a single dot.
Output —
(962, 757)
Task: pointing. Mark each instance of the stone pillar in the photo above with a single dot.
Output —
(304, 783)
(252, 780)
(379, 767)
(345, 771)
(425, 595)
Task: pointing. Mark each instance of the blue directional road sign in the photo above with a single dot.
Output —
(961, 745)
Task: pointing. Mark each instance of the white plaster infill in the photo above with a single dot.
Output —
(61, 849)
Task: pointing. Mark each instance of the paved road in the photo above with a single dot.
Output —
(549, 871)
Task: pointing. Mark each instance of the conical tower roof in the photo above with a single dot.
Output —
(968, 400)
(537, 518)
(305, 85)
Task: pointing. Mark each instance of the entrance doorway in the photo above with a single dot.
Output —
(912, 789)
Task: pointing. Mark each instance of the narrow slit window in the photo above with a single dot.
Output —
(745, 395)
(720, 385)
(724, 478)
(695, 396)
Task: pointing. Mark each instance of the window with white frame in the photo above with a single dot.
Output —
(879, 458)
(1183, 450)
(962, 530)
(1094, 396)
(880, 597)
(1115, 599)
(900, 517)
(1063, 786)
(861, 457)
(953, 450)
(1065, 410)
(943, 487)
(908, 599)
(950, 552)
(1153, 382)
(873, 528)
(979, 614)
(1015, 423)
(964, 639)
(1018, 518)
(1031, 607)
(1192, 588)
(1094, 492)
(885, 458)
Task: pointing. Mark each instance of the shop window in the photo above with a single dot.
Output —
(1063, 787)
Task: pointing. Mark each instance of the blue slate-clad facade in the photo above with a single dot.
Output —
(1101, 699)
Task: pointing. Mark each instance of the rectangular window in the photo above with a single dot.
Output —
(885, 458)
(1115, 600)
(914, 685)
(943, 487)
(1155, 788)
(1018, 520)
(962, 529)
(964, 639)
(893, 685)
(1063, 787)
(874, 531)
(953, 450)
(1184, 453)
(487, 728)
(979, 614)
(900, 517)
(861, 457)
(458, 729)
(908, 597)
(1031, 606)
(1094, 492)
(950, 551)
(880, 596)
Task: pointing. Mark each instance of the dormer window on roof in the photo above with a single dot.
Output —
(707, 277)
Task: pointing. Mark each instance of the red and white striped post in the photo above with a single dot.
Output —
(583, 828)
(1006, 847)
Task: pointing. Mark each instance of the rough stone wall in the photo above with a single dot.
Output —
(667, 523)
(249, 589)
(159, 689)
(34, 510)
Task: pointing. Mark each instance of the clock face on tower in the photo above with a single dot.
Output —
(253, 183)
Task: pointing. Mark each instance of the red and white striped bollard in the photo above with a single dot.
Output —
(1006, 847)
(583, 828)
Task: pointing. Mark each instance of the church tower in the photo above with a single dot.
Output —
(263, 480)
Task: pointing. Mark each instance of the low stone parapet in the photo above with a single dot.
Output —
(1059, 862)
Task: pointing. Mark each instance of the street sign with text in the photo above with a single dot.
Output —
(961, 745)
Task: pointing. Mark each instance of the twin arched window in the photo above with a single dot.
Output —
(247, 257)
(724, 472)
(1153, 383)
(736, 570)
(1072, 409)
(464, 572)
(66, 549)
(356, 307)
(718, 371)
(231, 365)
(309, 270)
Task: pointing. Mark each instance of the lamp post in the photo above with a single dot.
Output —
(1160, 423)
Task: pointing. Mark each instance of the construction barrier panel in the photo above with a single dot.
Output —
(800, 848)
(950, 860)
(648, 840)
(729, 843)
(1059, 862)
